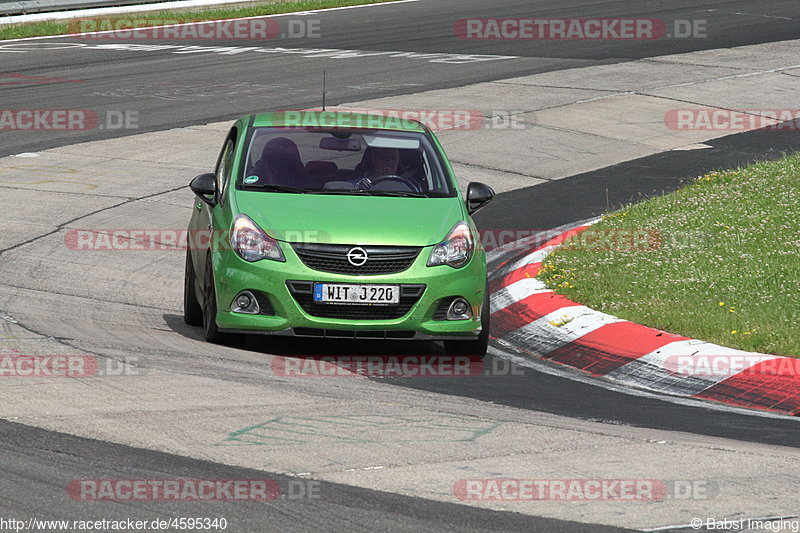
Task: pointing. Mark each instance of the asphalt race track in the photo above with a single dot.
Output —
(114, 80)
(168, 91)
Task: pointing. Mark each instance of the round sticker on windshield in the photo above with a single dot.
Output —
(251, 179)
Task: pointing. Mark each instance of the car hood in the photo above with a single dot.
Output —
(343, 219)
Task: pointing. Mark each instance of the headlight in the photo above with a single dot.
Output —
(455, 250)
(252, 243)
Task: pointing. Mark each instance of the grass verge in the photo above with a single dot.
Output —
(718, 260)
(62, 27)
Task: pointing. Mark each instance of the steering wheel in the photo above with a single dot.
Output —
(396, 178)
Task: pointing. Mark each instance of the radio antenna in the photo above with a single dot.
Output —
(324, 75)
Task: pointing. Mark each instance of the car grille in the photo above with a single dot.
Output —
(352, 334)
(302, 291)
(333, 258)
(441, 310)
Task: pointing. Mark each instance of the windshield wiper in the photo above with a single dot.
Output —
(409, 194)
(357, 192)
(277, 188)
(367, 192)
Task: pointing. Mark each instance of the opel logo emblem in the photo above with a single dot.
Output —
(357, 256)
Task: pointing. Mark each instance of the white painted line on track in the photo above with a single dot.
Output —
(568, 372)
(92, 13)
(652, 371)
(536, 257)
(575, 322)
(39, 46)
(515, 292)
(305, 53)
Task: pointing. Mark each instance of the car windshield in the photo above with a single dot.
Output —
(340, 161)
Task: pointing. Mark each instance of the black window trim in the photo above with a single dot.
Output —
(450, 181)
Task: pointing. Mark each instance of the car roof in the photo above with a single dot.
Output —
(388, 120)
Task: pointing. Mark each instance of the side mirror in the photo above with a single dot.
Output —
(478, 195)
(205, 185)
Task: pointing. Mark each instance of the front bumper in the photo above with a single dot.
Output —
(275, 279)
(365, 334)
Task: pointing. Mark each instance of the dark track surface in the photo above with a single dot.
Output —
(38, 466)
(169, 90)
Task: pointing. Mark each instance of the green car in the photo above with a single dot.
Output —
(336, 225)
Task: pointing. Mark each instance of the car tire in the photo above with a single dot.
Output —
(477, 347)
(192, 311)
(210, 329)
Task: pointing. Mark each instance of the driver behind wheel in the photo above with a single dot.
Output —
(383, 162)
(377, 163)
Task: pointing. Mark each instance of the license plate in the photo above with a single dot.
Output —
(343, 293)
